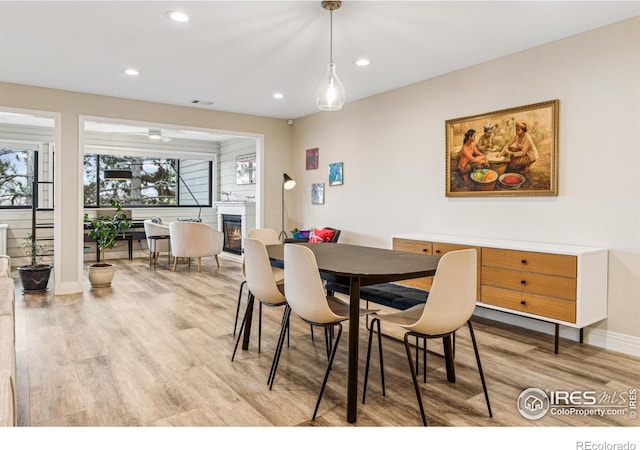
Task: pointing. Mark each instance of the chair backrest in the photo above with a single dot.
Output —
(268, 236)
(258, 273)
(303, 286)
(336, 234)
(452, 298)
(156, 229)
(193, 239)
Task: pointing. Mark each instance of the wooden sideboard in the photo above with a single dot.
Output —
(561, 284)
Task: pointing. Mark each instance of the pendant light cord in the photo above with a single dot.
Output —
(331, 36)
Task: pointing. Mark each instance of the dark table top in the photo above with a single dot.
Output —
(368, 263)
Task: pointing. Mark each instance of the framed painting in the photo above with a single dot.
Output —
(317, 193)
(246, 169)
(313, 155)
(511, 152)
(335, 174)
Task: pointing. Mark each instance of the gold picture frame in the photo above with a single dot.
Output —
(518, 157)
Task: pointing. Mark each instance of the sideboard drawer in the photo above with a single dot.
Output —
(440, 248)
(538, 305)
(535, 283)
(411, 246)
(562, 265)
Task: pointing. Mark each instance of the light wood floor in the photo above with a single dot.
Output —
(155, 349)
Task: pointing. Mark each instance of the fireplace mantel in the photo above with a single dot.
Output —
(246, 211)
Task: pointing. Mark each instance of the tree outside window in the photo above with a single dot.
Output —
(16, 176)
(153, 181)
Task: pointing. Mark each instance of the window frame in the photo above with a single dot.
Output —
(154, 154)
(39, 148)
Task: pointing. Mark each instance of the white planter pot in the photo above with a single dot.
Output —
(100, 275)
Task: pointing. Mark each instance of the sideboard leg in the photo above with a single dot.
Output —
(555, 347)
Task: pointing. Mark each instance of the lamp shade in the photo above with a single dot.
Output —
(288, 182)
(114, 174)
(331, 94)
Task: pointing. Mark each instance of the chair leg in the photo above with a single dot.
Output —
(175, 263)
(424, 359)
(326, 374)
(199, 263)
(413, 376)
(244, 321)
(475, 349)
(260, 328)
(374, 322)
(313, 339)
(417, 355)
(217, 261)
(235, 323)
(276, 355)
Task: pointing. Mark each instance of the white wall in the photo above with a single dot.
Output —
(229, 151)
(393, 149)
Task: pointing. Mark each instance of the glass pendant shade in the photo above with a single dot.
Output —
(330, 95)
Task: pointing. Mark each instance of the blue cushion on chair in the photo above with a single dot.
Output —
(388, 294)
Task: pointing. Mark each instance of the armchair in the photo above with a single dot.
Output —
(195, 240)
(156, 247)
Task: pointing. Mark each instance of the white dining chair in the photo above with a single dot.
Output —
(261, 283)
(450, 305)
(267, 236)
(306, 297)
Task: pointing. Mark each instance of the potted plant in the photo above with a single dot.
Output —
(35, 276)
(105, 230)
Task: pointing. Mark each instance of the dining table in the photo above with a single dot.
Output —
(355, 266)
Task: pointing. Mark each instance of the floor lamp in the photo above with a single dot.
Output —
(287, 184)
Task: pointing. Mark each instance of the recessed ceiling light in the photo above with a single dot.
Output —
(131, 72)
(177, 16)
(362, 62)
(278, 95)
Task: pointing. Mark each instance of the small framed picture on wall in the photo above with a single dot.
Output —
(313, 155)
(317, 193)
(335, 174)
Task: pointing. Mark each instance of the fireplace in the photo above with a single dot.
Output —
(234, 220)
(232, 228)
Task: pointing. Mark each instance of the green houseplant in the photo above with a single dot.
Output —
(105, 231)
(34, 276)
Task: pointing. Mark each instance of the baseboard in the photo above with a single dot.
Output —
(609, 340)
(231, 256)
(68, 288)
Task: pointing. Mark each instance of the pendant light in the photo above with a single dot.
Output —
(330, 95)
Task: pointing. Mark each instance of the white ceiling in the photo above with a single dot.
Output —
(237, 53)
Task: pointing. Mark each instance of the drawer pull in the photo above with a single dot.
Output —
(437, 251)
(522, 302)
(524, 261)
(523, 281)
(425, 250)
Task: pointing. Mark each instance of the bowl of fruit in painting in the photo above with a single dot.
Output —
(511, 180)
(484, 179)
